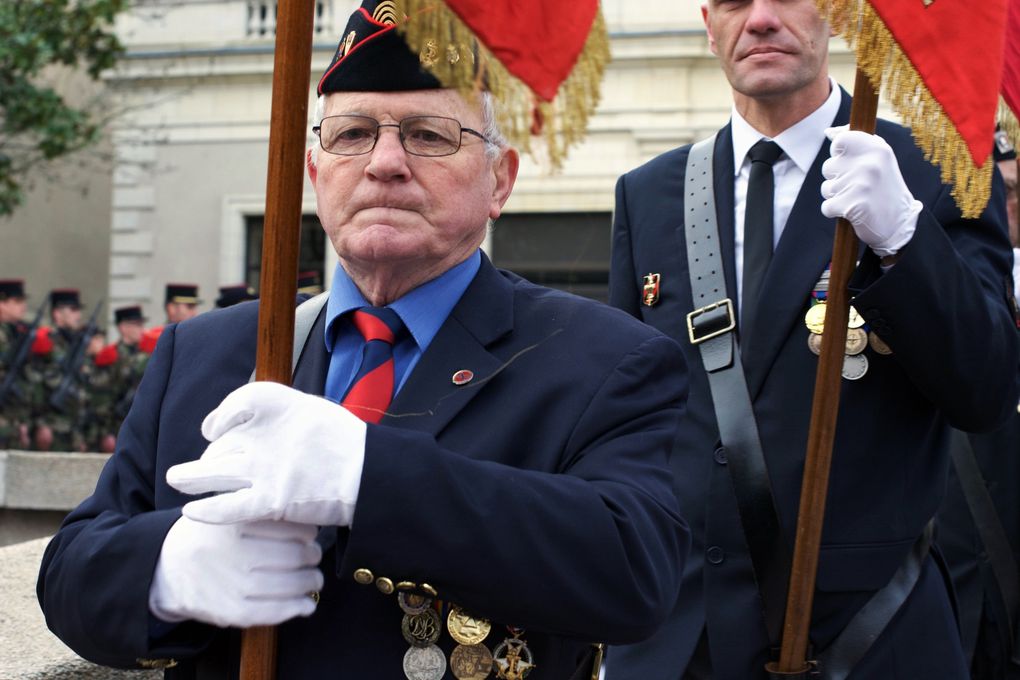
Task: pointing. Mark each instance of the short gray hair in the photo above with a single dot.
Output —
(495, 141)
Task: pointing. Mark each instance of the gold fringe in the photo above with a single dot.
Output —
(458, 59)
(1007, 119)
(882, 59)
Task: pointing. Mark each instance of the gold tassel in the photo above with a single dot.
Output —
(450, 50)
(882, 59)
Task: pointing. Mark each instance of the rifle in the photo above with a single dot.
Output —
(17, 357)
(72, 363)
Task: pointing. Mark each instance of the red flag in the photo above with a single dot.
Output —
(538, 42)
(940, 63)
(542, 61)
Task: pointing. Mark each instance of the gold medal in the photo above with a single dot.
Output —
(470, 662)
(513, 659)
(878, 344)
(856, 340)
(466, 629)
(814, 343)
(815, 318)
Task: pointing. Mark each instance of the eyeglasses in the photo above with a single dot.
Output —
(353, 135)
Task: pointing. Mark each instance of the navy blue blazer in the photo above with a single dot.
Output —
(537, 495)
(941, 309)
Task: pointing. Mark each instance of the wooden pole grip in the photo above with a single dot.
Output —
(824, 411)
(278, 284)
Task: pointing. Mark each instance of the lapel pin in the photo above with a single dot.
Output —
(463, 377)
(650, 292)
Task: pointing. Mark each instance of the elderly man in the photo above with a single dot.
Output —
(734, 237)
(511, 506)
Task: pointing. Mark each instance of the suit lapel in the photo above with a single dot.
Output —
(722, 178)
(429, 398)
(801, 255)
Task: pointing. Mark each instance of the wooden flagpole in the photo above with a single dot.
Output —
(292, 65)
(824, 410)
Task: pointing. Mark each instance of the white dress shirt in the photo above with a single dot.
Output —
(800, 145)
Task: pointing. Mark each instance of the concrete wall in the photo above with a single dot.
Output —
(30, 650)
(36, 490)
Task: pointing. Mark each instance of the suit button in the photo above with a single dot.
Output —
(715, 555)
(720, 455)
(384, 585)
(364, 576)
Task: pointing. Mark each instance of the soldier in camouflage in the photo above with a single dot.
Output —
(53, 429)
(15, 412)
(113, 378)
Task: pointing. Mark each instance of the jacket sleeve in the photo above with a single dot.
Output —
(943, 308)
(95, 574)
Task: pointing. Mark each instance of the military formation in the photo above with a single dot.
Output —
(63, 386)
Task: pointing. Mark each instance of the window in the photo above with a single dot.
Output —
(311, 253)
(568, 251)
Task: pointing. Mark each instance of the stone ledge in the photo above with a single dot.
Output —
(32, 480)
(40, 655)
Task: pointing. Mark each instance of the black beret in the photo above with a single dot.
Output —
(373, 57)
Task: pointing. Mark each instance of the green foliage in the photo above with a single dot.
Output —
(36, 124)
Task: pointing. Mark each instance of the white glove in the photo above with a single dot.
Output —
(864, 185)
(276, 453)
(257, 574)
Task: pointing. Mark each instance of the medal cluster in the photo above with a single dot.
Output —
(858, 335)
(422, 627)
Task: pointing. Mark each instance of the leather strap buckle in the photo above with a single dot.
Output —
(711, 321)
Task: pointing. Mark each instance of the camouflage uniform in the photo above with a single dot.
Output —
(111, 381)
(15, 411)
(45, 374)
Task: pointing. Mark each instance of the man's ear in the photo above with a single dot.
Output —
(313, 172)
(505, 170)
(708, 29)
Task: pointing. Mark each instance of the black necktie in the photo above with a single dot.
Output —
(757, 228)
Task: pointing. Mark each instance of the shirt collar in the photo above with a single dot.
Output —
(800, 142)
(423, 310)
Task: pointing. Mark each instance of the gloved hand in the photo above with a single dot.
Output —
(257, 574)
(864, 185)
(276, 453)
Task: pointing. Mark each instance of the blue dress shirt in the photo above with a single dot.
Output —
(423, 311)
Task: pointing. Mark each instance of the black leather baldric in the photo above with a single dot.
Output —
(738, 429)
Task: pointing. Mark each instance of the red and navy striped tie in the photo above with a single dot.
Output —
(372, 389)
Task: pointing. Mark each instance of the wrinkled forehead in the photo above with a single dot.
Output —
(397, 105)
